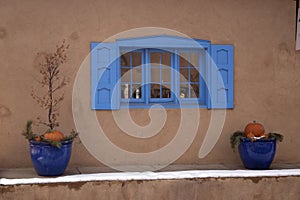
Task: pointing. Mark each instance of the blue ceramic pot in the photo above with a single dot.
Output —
(257, 154)
(49, 160)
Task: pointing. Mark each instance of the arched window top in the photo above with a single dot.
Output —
(162, 41)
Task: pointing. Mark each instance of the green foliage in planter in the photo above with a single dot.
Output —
(49, 98)
(276, 136)
(28, 133)
(235, 138)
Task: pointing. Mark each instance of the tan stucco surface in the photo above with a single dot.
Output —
(211, 188)
(267, 68)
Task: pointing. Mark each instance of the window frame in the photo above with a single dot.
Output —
(219, 76)
(132, 100)
(203, 67)
(149, 73)
(146, 101)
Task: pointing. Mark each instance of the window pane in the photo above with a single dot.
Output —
(136, 91)
(125, 74)
(194, 75)
(125, 91)
(184, 74)
(166, 75)
(155, 58)
(155, 74)
(166, 91)
(137, 74)
(166, 59)
(125, 59)
(136, 59)
(184, 91)
(194, 59)
(183, 61)
(160, 75)
(155, 90)
(194, 90)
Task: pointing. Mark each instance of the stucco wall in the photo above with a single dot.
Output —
(211, 188)
(266, 67)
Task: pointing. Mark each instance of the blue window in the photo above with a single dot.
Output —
(191, 65)
(131, 76)
(171, 71)
(160, 83)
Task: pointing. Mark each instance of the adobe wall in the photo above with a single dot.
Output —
(211, 188)
(266, 68)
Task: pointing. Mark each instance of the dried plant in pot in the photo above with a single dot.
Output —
(50, 151)
(256, 148)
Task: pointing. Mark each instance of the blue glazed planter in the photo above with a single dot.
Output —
(258, 154)
(49, 160)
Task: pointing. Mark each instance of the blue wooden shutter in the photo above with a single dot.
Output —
(221, 80)
(104, 88)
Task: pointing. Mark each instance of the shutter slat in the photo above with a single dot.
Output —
(104, 88)
(222, 80)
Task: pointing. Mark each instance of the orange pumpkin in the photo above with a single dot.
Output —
(266, 135)
(38, 138)
(255, 129)
(250, 135)
(54, 136)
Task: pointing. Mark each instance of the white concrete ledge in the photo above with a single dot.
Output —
(127, 176)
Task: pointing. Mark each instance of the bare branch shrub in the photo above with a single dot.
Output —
(53, 81)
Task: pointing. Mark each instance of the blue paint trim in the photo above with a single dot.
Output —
(104, 87)
(162, 36)
(158, 105)
(222, 85)
(161, 42)
(94, 81)
(174, 45)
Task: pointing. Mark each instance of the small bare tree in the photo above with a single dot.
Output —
(53, 81)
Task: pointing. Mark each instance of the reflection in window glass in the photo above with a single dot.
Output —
(155, 90)
(166, 75)
(184, 91)
(137, 91)
(136, 74)
(166, 59)
(160, 74)
(189, 75)
(136, 59)
(166, 92)
(183, 61)
(184, 74)
(125, 91)
(194, 75)
(125, 74)
(194, 59)
(194, 90)
(155, 74)
(155, 58)
(125, 60)
(131, 75)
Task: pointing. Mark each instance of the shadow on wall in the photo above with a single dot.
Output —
(3, 33)
(4, 111)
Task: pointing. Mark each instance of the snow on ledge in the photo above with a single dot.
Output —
(125, 176)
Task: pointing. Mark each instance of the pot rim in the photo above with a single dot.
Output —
(258, 140)
(65, 142)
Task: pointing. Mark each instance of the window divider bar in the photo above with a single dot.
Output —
(147, 74)
(176, 77)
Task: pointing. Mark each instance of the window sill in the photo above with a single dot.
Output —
(160, 105)
(85, 174)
